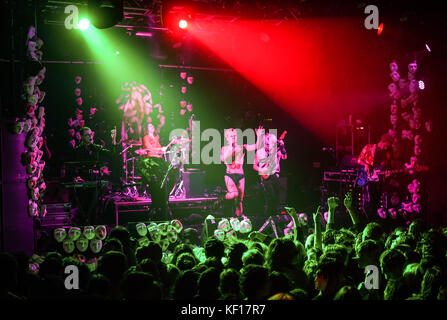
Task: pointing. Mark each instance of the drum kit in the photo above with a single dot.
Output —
(174, 155)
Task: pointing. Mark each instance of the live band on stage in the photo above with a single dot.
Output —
(144, 170)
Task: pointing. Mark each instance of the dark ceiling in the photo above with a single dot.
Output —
(410, 14)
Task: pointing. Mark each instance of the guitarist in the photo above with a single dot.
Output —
(378, 155)
(267, 163)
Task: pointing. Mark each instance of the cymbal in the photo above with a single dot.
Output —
(181, 140)
(141, 152)
(133, 142)
(81, 162)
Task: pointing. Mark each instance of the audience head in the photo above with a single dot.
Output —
(255, 282)
(368, 253)
(84, 271)
(328, 237)
(185, 287)
(348, 293)
(235, 254)
(299, 294)
(122, 234)
(214, 248)
(416, 228)
(373, 231)
(392, 263)
(112, 244)
(433, 246)
(252, 256)
(149, 266)
(345, 238)
(338, 252)
(412, 277)
(99, 285)
(191, 236)
(113, 265)
(186, 261)
(140, 286)
(282, 252)
(179, 249)
(151, 251)
(51, 266)
(279, 283)
(229, 284)
(214, 262)
(328, 275)
(431, 283)
(208, 284)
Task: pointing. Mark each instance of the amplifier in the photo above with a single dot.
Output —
(340, 176)
(86, 184)
(194, 182)
(58, 214)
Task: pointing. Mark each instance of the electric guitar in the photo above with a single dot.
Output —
(363, 178)
(265, 165)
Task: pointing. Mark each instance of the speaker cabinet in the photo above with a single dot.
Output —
(194, 182)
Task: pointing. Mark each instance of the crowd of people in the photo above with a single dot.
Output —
(326, 264)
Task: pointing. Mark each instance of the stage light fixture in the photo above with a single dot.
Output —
(427, 47)
(421, 85)
(83, 24)
(105, 13)
(117, 52)
(183, 24)
(380, 29)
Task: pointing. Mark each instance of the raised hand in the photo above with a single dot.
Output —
(292, 212)
(318, 227)
(333, 202)
(348, 201)
(317, 216)
(348, 204)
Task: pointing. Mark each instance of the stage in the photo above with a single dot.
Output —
(139, 209)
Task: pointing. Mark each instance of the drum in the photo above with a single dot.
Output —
(152, 169)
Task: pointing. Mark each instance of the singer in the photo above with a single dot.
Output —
(233, 156)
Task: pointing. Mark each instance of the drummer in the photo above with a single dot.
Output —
(153, 168)
(151, 143)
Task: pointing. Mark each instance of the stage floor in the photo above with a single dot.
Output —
(144, 201)
(142, 205)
